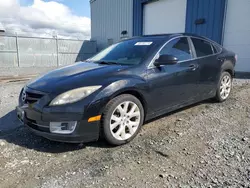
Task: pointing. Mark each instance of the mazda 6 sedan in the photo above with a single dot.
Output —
(113, 93)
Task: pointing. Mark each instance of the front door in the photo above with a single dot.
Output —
(173, 85)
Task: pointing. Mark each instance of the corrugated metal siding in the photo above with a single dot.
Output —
(236, 33)
(213, 11)
(109, 18)
(138, 16)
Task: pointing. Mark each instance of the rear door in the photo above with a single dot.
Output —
(208, 64)
(173, 85)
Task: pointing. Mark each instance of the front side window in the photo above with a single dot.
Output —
(130, 52)
(179, 48)
(202, 47)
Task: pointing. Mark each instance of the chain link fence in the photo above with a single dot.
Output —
(18, 51)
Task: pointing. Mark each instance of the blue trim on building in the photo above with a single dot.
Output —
(138, 16)
(211, 10)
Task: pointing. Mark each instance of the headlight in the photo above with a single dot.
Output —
(74, 95)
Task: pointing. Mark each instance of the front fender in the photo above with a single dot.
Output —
(120, 86)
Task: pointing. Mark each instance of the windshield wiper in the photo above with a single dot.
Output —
(107, 62)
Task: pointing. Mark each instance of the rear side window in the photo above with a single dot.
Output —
(202, 47)
(179, 48)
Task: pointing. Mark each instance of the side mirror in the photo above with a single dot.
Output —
(166, 60)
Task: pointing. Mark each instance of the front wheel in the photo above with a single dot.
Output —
(122, 119)
(224, 87)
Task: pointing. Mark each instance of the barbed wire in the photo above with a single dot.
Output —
(46, 34)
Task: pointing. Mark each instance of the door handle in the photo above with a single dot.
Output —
(193, 67)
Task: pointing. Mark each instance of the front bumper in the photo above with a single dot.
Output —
(39, 121)
(83, 138)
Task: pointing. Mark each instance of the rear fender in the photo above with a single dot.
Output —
(228, 65)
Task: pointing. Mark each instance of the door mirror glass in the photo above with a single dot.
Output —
(166, 60)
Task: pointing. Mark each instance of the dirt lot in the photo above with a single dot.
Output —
(206, 145)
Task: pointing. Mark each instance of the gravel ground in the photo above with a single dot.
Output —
(205, 145)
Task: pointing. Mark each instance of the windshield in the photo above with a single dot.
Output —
(130, 52)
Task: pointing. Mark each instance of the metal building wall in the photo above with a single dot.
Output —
(109, 18)
(212, 11)
(138, 16)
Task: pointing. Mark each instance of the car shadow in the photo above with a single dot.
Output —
(9, 122)
(16, 133)
(208, 101)
(12, 131)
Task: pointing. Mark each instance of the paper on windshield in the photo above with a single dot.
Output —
(143, 43)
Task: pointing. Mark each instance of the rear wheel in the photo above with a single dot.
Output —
(122, 119)
(224, 87)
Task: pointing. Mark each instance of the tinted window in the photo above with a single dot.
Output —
(129, 52)
(178, 48)
(202, 47)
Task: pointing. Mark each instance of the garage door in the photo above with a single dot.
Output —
(237, 32)
(164, 16)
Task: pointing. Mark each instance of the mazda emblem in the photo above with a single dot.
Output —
(23, 96)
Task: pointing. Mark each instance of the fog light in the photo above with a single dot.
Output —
(62, 127)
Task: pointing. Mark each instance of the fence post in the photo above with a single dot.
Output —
(57, 51)
(17, 51)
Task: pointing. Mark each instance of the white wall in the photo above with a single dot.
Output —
(237, 32)
(165, 16)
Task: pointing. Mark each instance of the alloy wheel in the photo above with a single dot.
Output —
(225, 86)
(125, 120)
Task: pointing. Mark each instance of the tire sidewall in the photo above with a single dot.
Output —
(110, 107)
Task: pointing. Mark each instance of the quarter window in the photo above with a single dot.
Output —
(217, 48)
(214, 49)
(178, 48)
(202, 47)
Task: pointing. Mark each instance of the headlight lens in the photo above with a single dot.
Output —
(74, 95)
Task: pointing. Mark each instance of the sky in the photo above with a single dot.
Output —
(46, 18)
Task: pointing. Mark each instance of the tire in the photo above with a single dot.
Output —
(220, 95)
(122, 119)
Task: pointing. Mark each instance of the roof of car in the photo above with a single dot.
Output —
(165, 37)
(172, 35)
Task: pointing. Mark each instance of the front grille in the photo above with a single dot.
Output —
(31, 97)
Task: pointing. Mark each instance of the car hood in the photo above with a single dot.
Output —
(74, 76)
